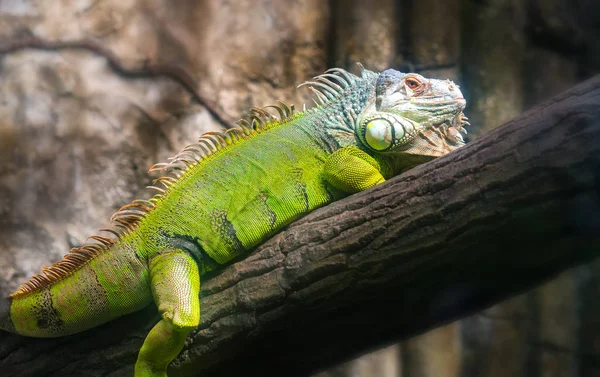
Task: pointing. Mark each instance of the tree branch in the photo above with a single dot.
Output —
(507, 211)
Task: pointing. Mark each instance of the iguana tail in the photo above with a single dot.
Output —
(113, 283)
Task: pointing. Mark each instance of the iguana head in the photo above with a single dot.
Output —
(412, 115)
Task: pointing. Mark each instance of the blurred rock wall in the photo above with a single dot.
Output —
(78, 131)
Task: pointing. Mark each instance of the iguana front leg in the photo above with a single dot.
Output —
(175, 287)
(352, 170)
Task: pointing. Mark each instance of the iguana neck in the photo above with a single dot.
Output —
(338, 116)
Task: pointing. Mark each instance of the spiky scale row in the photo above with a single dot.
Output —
(325, 89)
(128, 216)
(76, 258)
(213, 142)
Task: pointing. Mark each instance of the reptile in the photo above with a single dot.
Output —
(222, 196)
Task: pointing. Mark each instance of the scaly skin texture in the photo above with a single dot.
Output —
(232, 191)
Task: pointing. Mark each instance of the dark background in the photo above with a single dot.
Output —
(78, 131)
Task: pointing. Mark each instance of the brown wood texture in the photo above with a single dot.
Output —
(434, 244)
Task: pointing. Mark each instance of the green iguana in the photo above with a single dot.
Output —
(230, 192)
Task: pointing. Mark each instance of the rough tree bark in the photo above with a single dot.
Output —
(507, 211)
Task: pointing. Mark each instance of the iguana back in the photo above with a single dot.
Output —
(241, 195)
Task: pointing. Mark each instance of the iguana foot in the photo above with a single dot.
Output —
(146, 370)
(352, 170)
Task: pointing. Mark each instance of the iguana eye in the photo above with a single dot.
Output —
(379, 134)
(413, 83)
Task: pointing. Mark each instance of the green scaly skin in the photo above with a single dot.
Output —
(365, 130)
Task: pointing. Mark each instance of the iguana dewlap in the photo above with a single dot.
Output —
(231, 191)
